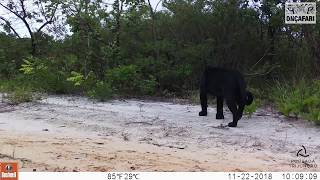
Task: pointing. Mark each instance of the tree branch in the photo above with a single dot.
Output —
(155, 9)
(8, 23)
(23, 9)
(264, 55)
(50, 20)
(20, 17)
(263, 73)
(42, 11)
(15, 13)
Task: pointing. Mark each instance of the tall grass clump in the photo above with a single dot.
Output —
(15, 91)
(300, 99)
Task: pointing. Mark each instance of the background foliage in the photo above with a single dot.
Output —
(128, 48)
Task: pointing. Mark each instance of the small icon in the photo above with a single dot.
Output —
(9, 168)
(302, 152)
(8, 171)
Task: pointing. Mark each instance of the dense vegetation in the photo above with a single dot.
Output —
(129, 48)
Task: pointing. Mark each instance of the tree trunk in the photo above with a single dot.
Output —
(314, 44)
(154, 32)
(316, 56)
(119, 5)
(86, 60)
(33, 45)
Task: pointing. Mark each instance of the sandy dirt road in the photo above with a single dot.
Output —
(64, 133)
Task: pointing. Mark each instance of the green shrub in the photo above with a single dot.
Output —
(89, 82)
(20, 95)
(249, 110)
(124, 78)
(128, 80)
(258, 96)
(76, 78)
(102, 91)
(175, 79)
(85, 83)
(17, 90)
(45, 75)
(289, 100)
(147, 86)
(6, 85)
(7, 66)
(301, 99)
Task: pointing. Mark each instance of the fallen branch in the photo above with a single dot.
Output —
(264, 73)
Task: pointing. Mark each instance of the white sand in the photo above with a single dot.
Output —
(64, 133)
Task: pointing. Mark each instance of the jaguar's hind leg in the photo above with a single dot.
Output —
(233, 108)
(219, 114)
(204, 103)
